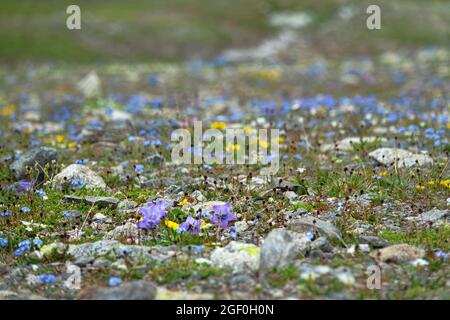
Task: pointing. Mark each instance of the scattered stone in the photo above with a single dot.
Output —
(281, 247)
(237, 256)
(398, 253)
(76, 176)
(374, 242)
(347, 143)
(155, 160)
(312, 224)
(241, 226)
(433, 215)
(126, 231)
(134, 290)
(404, 158)
(198, 195)
(36, 159)
(102, 202)
(101, 218)
(126, 205)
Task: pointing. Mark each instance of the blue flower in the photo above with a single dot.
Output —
(47, 278)
(25, 210)
(441, 254)
(77, 183)
(23, 247)
(5, 214)
(114, 281)
(41, 193)
(139, 168)
(3, 242)
(38, 242)
(297, 157)
(198, 249)
(310, 235)
(67, 214)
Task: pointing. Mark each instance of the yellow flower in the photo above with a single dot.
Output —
(281, 139)
(430, 183)
(72, 145)
(448, 125)
(420, 187)
(383, 173)
(445, 183)
(172, 225)
(60, 138)
(269, 74)
(218, 125)
(8, 110)
(182, 202)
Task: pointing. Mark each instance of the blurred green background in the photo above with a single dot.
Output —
(170, 30)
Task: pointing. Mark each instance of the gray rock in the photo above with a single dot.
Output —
(398, 253)
(36, 159)
(102, 202)
(126, 205)
(238, 256)
(102, 263)
(433, 215)
(126, 231)
(322, 244)
(281, 247)
(374, 242)
(405, 158)
(134, 290)
(310, 223)
(80, 172)
(155, 159)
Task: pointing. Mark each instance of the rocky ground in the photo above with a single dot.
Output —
(362, 190)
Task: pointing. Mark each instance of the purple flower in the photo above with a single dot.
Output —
(24, 185)
(222, 215)
(191, 225)
(152, 215)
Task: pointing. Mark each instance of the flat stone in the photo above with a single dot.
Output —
(310, 223)
(126, 231)
(374, 242)
(398, 253)
(102, 202)
(433, 215)
(238, 256)
(134, 290)
(404, 158)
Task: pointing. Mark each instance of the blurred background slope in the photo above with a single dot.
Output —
(170, 30)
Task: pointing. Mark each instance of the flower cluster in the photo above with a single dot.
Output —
(152, 215)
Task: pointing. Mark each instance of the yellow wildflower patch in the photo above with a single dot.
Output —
(172, 225)
(218, 125)
(182, 202)
(420, 187)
